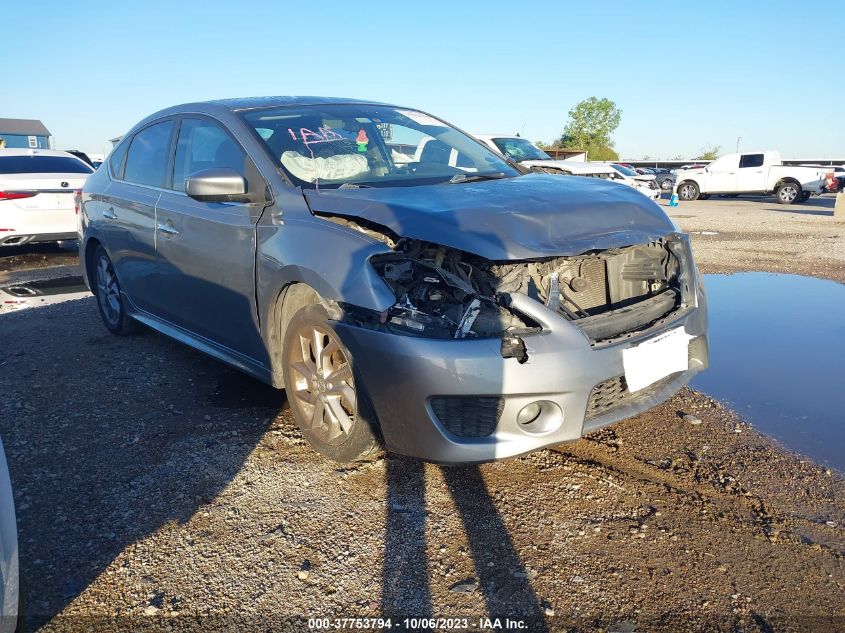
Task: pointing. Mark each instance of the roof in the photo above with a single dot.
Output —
(29, 127)
(246, 103)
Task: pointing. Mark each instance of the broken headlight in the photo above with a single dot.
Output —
(436, 298)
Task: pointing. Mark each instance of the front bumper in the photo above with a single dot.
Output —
(403, 374)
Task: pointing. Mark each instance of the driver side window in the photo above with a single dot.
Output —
(204, 145)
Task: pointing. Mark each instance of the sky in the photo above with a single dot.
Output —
(685, 75)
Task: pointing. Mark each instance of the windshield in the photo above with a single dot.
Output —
(520, 149)
(625, 170)
(43, 165)
(371, 146)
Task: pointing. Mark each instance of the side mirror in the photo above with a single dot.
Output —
(221, 184)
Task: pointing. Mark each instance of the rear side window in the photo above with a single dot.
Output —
(146, 161)
(204, 145)
(117, 158)
(751, 160)
(43, 165)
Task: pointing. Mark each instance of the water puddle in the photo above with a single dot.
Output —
(18, 296)
(777, 356)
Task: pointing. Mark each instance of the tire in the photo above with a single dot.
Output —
(788, 193)
(666, 184)
(703, 196)
(805, 196)
(110, 301)
(325, 393)
(688, 191)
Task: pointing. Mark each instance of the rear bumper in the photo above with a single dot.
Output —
(19, 239)
(403, 375)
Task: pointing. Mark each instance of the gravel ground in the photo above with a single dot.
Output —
(758, 234)
(158, 489)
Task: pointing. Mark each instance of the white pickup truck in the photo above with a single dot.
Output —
(757, 172)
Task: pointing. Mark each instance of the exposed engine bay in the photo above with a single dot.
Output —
(446, 293)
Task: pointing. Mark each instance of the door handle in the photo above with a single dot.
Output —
(109, 214)
(167, 228)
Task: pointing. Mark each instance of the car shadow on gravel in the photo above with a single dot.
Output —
(110, 438)
(501, 577)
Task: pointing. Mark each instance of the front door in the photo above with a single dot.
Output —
(722, 174)
(206, 250)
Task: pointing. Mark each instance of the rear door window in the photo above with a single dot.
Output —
(204, 145)
(751, 160)
(148, 156)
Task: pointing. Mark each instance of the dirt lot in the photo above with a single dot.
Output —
(158, 489)
(740, 234)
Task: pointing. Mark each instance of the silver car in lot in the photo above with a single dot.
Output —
(409, 288)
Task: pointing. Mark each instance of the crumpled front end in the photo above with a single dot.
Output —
(480, 360)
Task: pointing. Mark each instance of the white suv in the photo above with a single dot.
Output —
(37, 189)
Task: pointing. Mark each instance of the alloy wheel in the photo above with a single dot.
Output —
(108, 290)
(323, 385)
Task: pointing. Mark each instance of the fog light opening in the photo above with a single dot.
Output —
(540, 417)
(529, 413)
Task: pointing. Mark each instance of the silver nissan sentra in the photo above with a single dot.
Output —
(409, 288)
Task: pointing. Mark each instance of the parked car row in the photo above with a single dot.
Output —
(522, 151)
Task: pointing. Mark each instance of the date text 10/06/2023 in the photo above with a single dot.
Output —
(417, 624)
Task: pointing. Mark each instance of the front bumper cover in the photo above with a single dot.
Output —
(402, 374)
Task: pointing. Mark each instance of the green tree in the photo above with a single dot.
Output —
(591, 125)
(709, 153)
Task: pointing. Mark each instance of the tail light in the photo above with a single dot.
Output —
(77, 201)
(16, 195)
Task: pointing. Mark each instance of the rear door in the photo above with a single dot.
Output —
(206, 250)
(124, 215)
(751, 175)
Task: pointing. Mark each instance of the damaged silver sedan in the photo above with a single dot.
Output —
(407, 287)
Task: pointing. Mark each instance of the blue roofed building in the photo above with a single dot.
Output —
(24, 133)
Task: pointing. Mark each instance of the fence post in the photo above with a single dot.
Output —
(839, 208)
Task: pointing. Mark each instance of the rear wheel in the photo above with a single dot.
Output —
(805, 196)
(788, 192)
(688, 191)
(106, 288)
(325, 394)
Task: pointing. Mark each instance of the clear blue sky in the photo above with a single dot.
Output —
(685, 74)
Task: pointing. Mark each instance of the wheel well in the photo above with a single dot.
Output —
(90, 246)
(790, 180)
(291, 298)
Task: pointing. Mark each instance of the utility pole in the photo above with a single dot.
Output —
(738, 139)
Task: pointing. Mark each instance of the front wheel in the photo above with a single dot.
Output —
(688, 191)
(666, 184)
(106, 288)
(788, 193)
(325, 394)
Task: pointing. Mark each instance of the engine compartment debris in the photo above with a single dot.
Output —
(446, 293)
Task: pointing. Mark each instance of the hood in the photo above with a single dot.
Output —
(644, 177)
(526, 217)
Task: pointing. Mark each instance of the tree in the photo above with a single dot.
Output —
(709, 153)
(590, 126)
